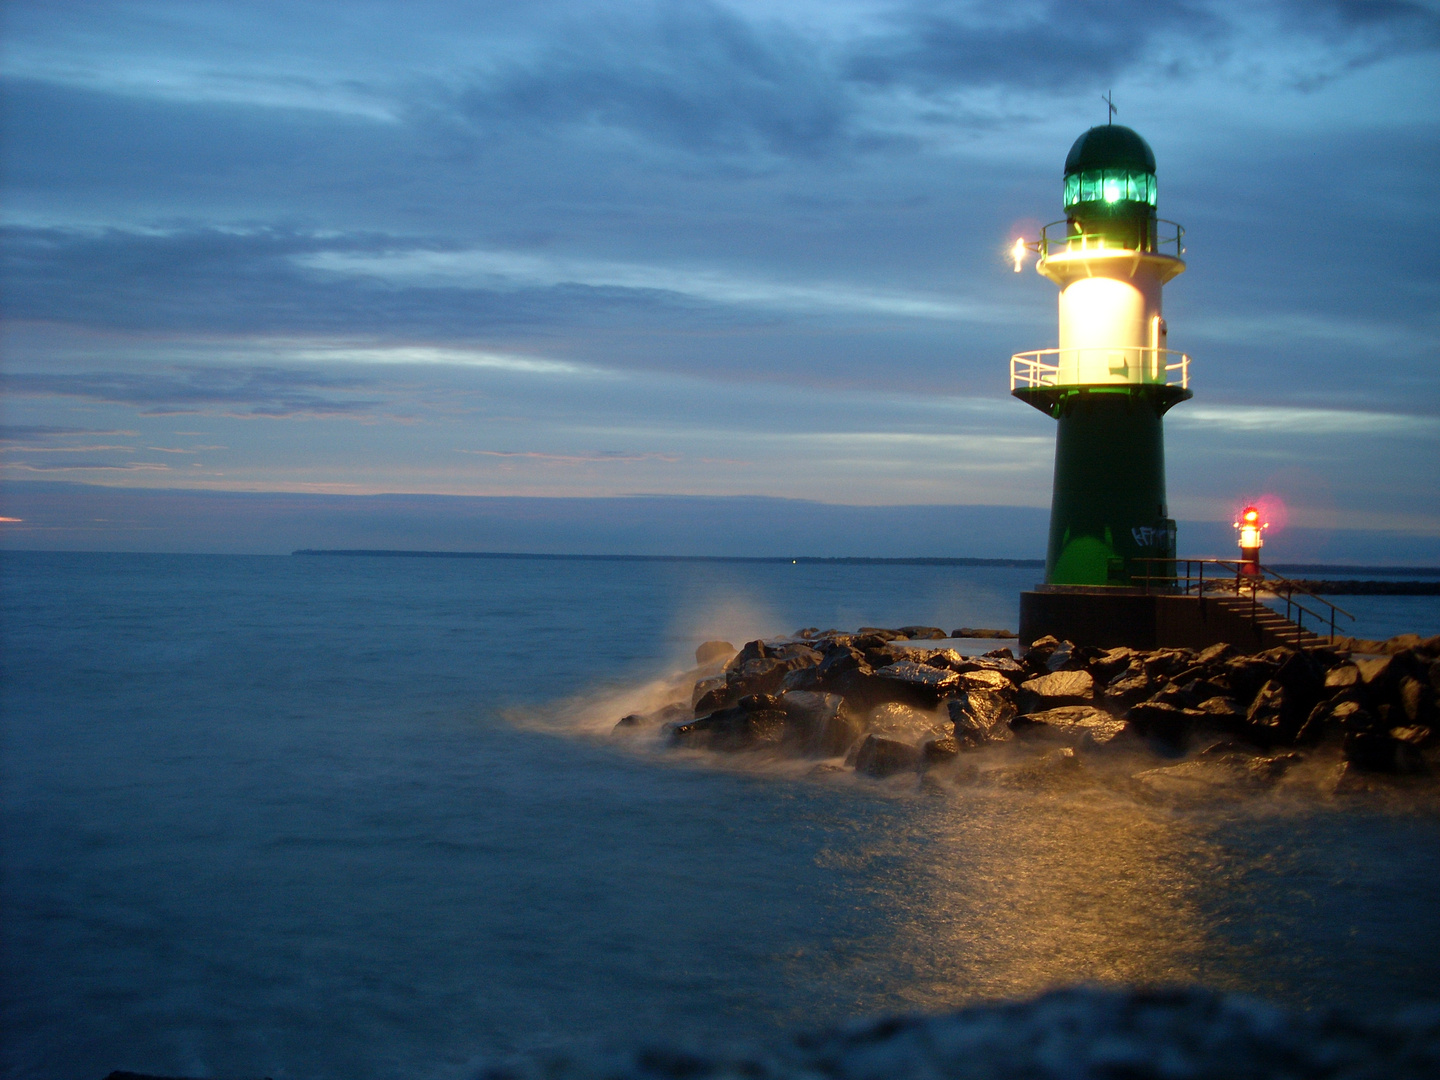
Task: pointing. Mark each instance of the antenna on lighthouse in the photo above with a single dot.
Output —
(1108, 98)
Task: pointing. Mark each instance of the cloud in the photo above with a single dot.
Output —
(604, 457)
(241, 392)
(942, 47)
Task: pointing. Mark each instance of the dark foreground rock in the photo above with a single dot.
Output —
(1078, 1034)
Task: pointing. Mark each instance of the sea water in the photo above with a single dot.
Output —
(322, 817)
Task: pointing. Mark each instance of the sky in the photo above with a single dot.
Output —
(698, 250)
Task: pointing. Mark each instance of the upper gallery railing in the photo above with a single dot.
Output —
(1120, 365)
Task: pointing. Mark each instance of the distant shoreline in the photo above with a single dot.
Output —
(802, 560)
(856, 560)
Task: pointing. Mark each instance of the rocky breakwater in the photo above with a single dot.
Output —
(882, 703)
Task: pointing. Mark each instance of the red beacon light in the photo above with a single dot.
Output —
(1251, 530)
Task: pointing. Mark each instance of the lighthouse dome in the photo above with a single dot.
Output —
(1110, 171)
(1110, 146)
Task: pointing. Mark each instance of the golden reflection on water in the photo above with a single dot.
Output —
(1012, 893)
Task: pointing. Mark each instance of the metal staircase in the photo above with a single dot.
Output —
(1237, 592)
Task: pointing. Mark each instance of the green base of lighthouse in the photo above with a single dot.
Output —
(1109, 507)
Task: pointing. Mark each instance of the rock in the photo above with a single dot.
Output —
(1131, 685)
(1110, 663)
(711, 652)
(1373, 669)
(1167, 723)
(1057, 689)
(923, 633)
(815, 723)
(1013, 671)
(1382, 752)
(920, 682)
(632, 720)
(1246, 674)
(981, 632)
(1041, 648)
(881, 757)
(742, 727)
(906, 723)
(878, 632)
(1167, 663)
(1072, 723)
(1214, 654)
(1170, 694)
(1223, 708)
(1060, 657)
(714, 693)
(1414, 701)
(939, 751)
(1002, 653)
(981, 716)
(984, 679)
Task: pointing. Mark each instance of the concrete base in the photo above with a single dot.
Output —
(1108, 618)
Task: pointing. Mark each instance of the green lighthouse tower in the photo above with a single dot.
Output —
(1112, 379)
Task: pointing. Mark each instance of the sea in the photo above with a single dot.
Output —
(365, 817)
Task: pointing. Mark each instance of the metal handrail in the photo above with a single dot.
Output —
(1070, 242)
(1254, 575)
(1030, 369)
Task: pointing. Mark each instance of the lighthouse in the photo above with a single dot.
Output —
(1112, 377)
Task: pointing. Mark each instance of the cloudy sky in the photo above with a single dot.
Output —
(703, 248)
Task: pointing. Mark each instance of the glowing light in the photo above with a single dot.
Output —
(1112, 190)
(1251, 529)
(1018, 253)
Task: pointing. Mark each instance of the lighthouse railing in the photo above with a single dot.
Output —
(1119, 365)
(1065, 237)
(1242, 578)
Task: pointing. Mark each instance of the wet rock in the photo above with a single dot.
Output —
(1002, 665)
(1167, 663)
(1167, 723)
(1071, 723)
(881, 757)
(1279, 711)
(919, 682)
(1224, 709)
(907, 723)
(632, 720)
(816, 724)
(711, 652)
(1110, 664)
(980, 716)
(1381, 752)
(1170, 694)
(981, 632)
(879, 632)
(711, 694)
(923, 633)
(1246, 674)
(983, 679)
(751, 724)
(1214, 654)
(1057, 689)
(1002, 653)
(1131, 685)
(939, 751)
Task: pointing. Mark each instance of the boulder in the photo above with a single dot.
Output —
(879, 632)
(816, 725)
(631, 720)
(1215, 654)
(1131, 685)
(984, 679)
(1343, 677)
(1380, 751)
(1074, 724)
(919, 682)
(745, 726)
(1167, 723)
(923, 633)
(1003, 665)
(981, 716)
(1110, 664)
(1056, 689)
(880, 757)
(711, 652)
(981, 632)
(711, 694)
(939, 751)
